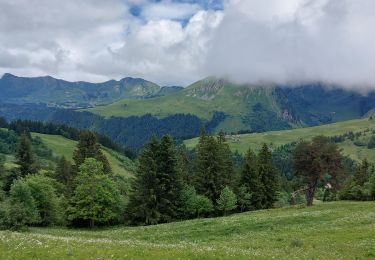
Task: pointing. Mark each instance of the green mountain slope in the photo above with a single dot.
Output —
(356, 149)
(334, 230)
(202, 99)
(63, 146)
(251, 107)
(61, 93)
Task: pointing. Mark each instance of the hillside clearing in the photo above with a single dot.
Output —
(277, 138)
(63, 146)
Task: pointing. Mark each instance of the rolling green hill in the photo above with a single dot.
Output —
(61, 93)
(277, 138)
(335, 230)
(251, 107)
(63, 146)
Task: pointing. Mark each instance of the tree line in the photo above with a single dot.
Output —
(172, 184)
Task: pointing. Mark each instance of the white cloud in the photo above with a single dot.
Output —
(250, 40)
(298, 40)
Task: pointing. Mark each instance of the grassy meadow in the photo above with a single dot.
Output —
(334, 230)
(277, 138)
(63, 146)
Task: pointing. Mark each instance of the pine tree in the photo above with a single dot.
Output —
(213, 166)
(252, 181)
(169, 181)
(64, 174)
(25, 156)
(142, 207)
(269, 177)
(227, 200)
(89, 148)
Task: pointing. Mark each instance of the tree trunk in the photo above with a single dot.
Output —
(310, 194)
(91, 223)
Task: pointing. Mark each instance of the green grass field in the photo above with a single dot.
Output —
(276, 138)
(335, 230)
(63, 146)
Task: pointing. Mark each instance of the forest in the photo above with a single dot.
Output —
(170, 183)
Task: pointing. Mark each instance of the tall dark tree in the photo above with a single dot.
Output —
(89, 148)
(209, 168)
(226, 159)
(64, 174)
(25, 156)
(142, 207)
(168, 179)
(252, 182)
(269, 177)
(315, 162)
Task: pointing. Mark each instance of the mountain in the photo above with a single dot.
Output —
(247, 107)
(65, 94)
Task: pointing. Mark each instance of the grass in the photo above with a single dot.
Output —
(63, 146)
(196, 99)
(336, 230)
(276, 138)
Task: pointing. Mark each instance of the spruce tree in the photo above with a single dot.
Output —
(143, 207)
(168, 179)
(89, 148)
(25, 156)
(269, 177)
(64, 174)
(213, 166)
(252, 181)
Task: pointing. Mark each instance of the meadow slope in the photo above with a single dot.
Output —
(277, 138)
(63, 146)
(335, 230)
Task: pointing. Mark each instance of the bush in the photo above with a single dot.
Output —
(46, 200)
(23, 211)
(227, 200)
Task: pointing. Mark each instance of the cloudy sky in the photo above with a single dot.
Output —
(175, 42)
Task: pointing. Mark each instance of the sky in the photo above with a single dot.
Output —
(177, 42)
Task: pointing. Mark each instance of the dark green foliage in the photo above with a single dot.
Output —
(243, 199)
(251, 181)
(269, 177)
(22, 210)
(89, 148)
(46, 201)
(371, 143)
(25, 156)
(317, 162)
(262, 120)
(213, 171)
(227, 201)
(96, 198)
(168, 178)
(157, 188)
(360, 186)
(64, 174)
(142, 207)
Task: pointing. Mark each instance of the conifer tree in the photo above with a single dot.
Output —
(168, 179)
(25, 156)
(213, 166)
(89, 148)
(269, 177)
(252, 181)
(142, 207)
(64, 174)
